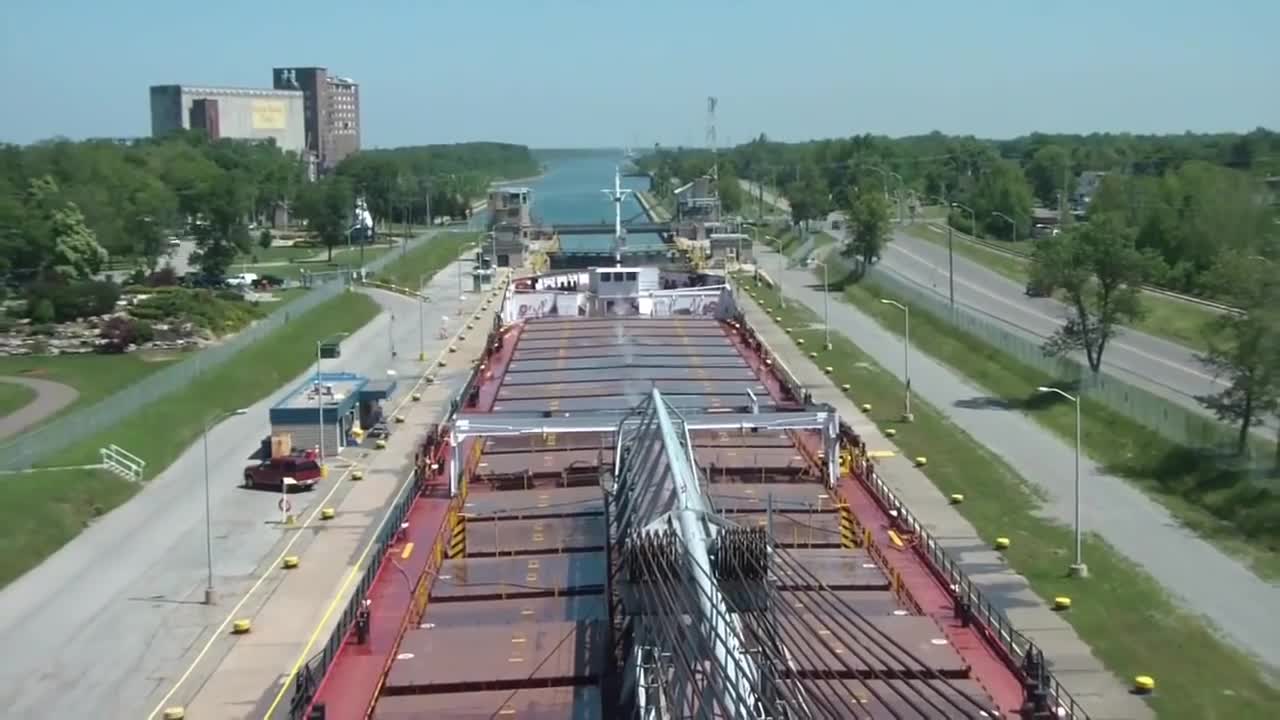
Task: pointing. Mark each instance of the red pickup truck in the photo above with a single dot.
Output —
(303, 468)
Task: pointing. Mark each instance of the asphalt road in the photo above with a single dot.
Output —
(1202, 577)
(1164, 368)
(96, 629)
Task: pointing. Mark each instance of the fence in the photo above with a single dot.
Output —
(34, 446)
(1169, 419)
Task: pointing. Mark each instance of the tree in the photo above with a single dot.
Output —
(220, 230)
(326, 205)
(868, 215)
(1101, 271)
(1047, 172)
(1244, 348)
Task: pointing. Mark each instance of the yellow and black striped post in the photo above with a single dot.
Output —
(458, 537)
(848, 538)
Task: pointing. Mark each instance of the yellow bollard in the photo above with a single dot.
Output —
(399, 418)
(327, 513)
(890, 432)
(241, 626)
(1144, 684)
(957, 498)
(290, 562)
(174, 713)
(799, 341)
(357, 474)
(1062, 603)
(866, 407)
(921, 461)
(813, 356)
(417, 397)
(1002, 543)
(845, 387)
(380, 444)
(828, 369)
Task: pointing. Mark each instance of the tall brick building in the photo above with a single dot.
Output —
(332, 111)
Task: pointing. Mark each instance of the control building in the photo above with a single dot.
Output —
(239, 113)
(332, 111)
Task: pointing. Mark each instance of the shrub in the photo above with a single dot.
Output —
(218, 312)
(120, 332)
(164, 277)
(42, 311)
(71, 301)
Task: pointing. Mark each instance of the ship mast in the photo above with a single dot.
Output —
(617, 193)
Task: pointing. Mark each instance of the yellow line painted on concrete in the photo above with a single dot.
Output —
(235, 611)
(351, 576)
(407, 551)
(273, 567)
(896, 539)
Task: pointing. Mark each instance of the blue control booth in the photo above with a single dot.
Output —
(338, 402)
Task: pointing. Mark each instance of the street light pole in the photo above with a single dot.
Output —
(209, 595)
(320, 394)
(422, 343)
(906, 355)
(1078, 568)
(1012, 223)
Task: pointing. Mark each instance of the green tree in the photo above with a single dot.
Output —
(1244, 348)
(220, 229)
(327, 205)
(1101, 271)
(868, 216)
(1003, 189)
(1049, 168)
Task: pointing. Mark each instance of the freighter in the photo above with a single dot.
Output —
(635, 511)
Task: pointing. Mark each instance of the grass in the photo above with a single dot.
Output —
(1120, 611)
(42, 511)
(428, 258)
(1175, 320)
(1225, 506)
(93, 376)
(14, 397)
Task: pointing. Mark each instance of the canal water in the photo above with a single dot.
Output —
(569, 191)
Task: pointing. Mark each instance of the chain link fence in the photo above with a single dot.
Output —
(34, 446)
(1173, 421)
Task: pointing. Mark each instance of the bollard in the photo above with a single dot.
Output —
(866, 407)
(174, 713)
(328, 513)
(957, 498)
(290, 562)
(890, 432)
(241, 626)
(921, 461)
(1002, 543)
(1144, 684)
(1062, 603)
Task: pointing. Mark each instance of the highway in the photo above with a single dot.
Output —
(99, 629)
(1205, 579)
(1159, 366)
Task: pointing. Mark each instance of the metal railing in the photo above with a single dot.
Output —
(965, 593)
(34, 446)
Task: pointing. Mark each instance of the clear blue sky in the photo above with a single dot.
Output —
(612, 72)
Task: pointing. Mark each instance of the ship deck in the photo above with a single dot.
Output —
(516, 623)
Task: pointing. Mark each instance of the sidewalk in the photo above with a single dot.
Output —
(1071, 661)
(298, 615)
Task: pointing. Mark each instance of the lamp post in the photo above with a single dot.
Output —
(422, 343)
(320, 394)
(209, 595)
(951, 255)
(906, 355)
(973, 216)
(826, 316)
(1012, 223)
(391, 338)
(1078, 568)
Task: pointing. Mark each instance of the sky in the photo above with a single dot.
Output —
(594, 73)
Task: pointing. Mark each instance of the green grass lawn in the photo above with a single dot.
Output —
(41, 511)
(94, 376)
(1229, 508)
(1165, 317)
(428, 258)
(1120, 611)
(14, 397)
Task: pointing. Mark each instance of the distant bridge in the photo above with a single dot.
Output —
(607, 228)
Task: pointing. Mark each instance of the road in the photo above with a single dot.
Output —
(96, 629)
(1159, 366)
(1202, 577)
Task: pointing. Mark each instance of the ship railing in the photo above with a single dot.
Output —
(307, 682)
(965, 593)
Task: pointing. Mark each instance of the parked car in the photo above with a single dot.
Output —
(245, 279)
(270, 474)
(1035, 289)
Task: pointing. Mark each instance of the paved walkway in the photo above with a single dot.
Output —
(50, 398)
(1204, 578)
(1075, 666)
(241, 676)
